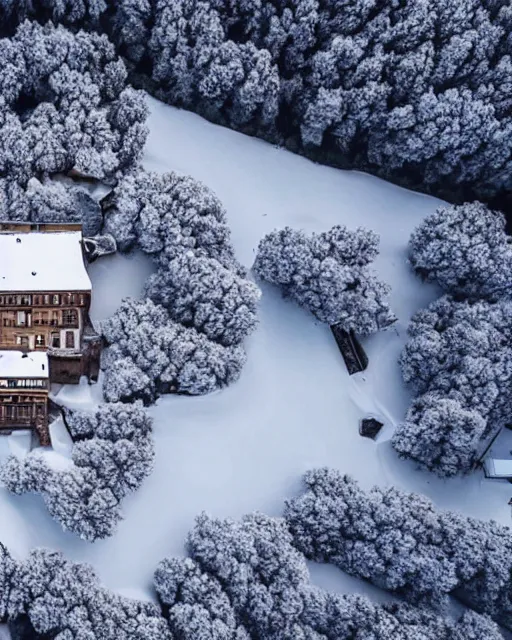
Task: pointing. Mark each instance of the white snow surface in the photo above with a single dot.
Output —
(60, 438)
(17, 364)
(20, 443)
(46, 261)
(295, 407)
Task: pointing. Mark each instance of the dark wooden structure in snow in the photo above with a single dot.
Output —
(370, 427)
(351, 349)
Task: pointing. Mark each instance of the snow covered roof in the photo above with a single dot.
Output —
(16, 364)
(35, 261)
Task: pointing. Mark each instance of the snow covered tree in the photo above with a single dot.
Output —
(329, 274)
(197, 604)
(112, 457)
(246, 580)
(50, 201)
(70, 12)
(465, 250)
(440, 434)
(458, 359)
(11, 591)
(201, 293)
(65, 600)
(401, 542)
(167, 214)
(149, 354)
(110, 421)
(65, 105)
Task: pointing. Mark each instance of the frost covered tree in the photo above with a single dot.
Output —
(50, 201)
(399, 541)
(416, 90)
(149, 354)
(70, 12)
(195, 65)
(459, 361)
(167, 214)
(441, 434)
(201, 293)
(112, 456)
(65, 105)
(465, 250)
(196, 603)
(245, 580)
(63, 599)
(328, 273)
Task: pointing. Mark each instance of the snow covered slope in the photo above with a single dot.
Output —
(295, 407)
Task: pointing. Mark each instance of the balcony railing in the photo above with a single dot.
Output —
(12, 423)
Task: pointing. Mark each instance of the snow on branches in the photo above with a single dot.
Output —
(112, 456)
(244, 580)
(459, 362)
(63, 599)
(328, 273)
(50, 201)
(465, 250)
(65, 105)
(149, 354)
(185, 336)
(201, 293)
(399, 541)
(166, 215)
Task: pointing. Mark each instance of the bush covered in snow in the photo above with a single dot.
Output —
(401, 542)
(149, 354)
(201, 293)
(166, 215)
(65, 105)
(459, 362)
(465, 250)
(328, 273)
(245, 580)
(64, 600)
(112, 456)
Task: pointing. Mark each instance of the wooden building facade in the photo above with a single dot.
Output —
(24, 387)
(45, 296)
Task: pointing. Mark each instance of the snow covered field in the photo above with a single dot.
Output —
(295, 407)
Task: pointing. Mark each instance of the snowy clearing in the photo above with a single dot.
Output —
(295, 407)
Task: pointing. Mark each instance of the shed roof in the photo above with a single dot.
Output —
(17, 364)
(49, 261)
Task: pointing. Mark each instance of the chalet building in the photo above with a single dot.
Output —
(45, 295)
(24, 386)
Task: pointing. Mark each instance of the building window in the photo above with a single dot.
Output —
(70, 318)
(55, 337)
(7, 321)
(82, 300)
(70, 340)
(21, 318)
(26, 301)
(47, 299)
(40, 340)
(55, 298)
(22, 341)
(11, 299)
